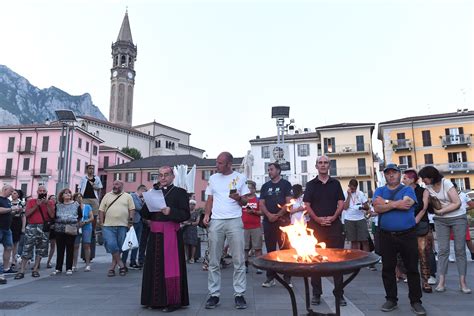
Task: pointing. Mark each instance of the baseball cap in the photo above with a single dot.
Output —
(192, 202)
(391, 166)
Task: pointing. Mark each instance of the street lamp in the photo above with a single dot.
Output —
(280, 113)
(67, 119)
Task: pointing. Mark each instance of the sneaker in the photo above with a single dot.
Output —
(451, 259)
(259, 271)
(389, 306)
(134, 266)
(342, 301)
(87, 269)
(432, 280)
(212, 302)
(269, 283)
(240, 302)
(3, 280)
(316, 299)
(418, 309)
(288, 280)
(191, 261)
(69, 272)
(74, 269)
(10, 271)
(55, 272)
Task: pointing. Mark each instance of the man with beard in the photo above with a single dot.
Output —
(164, 283)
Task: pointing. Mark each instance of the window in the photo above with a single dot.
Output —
(303, 150)
(360, 143)
(362, 186)
(329, 145)
(319, 149)
(304, 180)
(117, 176)
(203, 196)
(400, 135)
(11, 144)
(428, 159)
(87, 146)
(43, 165)
(62, 143)
(265, 152)
(94, 150)
(106, 161)
(153, 177)
(304, 166)
(24, 188)
(265, 167)
(8, 167)
(157, 143)
(45, 145)
(78, 165)
(369, 189)
(426, 138)
(79, 143)
(333, 167)
(206, 174)
(131, 176)
(460, 183)
(405, 162)
(60, 160)
(457, 157)
(361, 166)
(28, 144)
(26, 164)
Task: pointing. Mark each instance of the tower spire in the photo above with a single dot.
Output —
(125, 33)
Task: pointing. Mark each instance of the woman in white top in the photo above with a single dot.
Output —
(448, 216)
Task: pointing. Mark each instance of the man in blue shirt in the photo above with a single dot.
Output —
(395, 204)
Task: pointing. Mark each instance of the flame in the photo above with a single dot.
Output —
(302, 239)
(287, 205)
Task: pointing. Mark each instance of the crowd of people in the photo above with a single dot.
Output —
(235, 219)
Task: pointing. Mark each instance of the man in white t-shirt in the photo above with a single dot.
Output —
(225, 197)
(355, 224)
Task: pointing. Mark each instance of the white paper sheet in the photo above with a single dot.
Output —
(154, 200)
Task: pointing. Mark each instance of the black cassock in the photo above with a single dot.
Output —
(156, 290)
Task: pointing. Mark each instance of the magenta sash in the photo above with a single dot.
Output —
(171, 259)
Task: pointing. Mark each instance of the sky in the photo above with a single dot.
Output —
(216, 68)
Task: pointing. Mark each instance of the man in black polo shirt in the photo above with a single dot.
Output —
(324, 202)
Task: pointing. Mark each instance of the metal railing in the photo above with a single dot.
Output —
(349, 149)
(24, 149)
(401, 144)
(7, 173)
(42, 172)
(453, 140)
(452, 167)
(350, 172)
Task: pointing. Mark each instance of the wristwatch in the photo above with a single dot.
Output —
(386, 201)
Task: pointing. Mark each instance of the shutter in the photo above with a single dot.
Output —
(400, 160)
(400, 135)
(333, 144)
(450, 157)
(446, 131)
(149, 176)
(467, 183)
(409, 162)
(325, 145)
(464, 156)
(203, 175)
(461, 130)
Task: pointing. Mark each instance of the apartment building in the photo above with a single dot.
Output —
(348, 145)
(442, 140)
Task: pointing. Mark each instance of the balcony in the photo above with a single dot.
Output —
(456, 140)
(352, 149)
(38, 173)
(453, 167)
(7, 174)
(24, 149)
(401, 144)
(350, 172)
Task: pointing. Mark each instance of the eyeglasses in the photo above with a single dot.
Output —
(164, 175)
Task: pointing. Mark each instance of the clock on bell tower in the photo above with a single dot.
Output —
(124, 55)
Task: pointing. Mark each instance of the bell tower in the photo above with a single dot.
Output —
(124, 55)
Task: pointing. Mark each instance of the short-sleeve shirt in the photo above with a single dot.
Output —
(251, 221)
(35, 217)
(443, 197)
(323, 197)
(223, 207)
(397, 220)
(86, 213)
(117, 213)
(275, 194)
(354, 213)
(5, 219)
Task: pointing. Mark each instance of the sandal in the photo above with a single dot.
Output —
(123, 271)
(19, 276)
(35, 274)
(111, 273)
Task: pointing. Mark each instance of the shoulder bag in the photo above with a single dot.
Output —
(47, 225)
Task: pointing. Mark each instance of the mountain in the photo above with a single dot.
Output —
(23, 103)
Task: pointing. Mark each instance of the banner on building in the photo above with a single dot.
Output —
(280, 153)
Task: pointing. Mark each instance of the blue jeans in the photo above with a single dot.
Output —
(133, 258)
(6, 238)
(114, 236)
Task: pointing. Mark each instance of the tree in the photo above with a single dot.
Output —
(132, 152)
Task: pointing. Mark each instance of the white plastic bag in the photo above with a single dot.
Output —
(131, 241)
